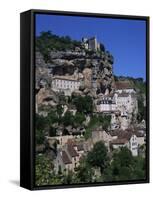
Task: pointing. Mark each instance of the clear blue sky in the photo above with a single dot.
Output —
(124, 38)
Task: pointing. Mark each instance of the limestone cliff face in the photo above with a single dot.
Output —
(96, 67)
(87, 74)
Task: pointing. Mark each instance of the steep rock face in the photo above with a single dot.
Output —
(96, 68)
(87, 73)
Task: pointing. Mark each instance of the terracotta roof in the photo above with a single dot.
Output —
(69, 78)
(122, 134)
(72, 152)
(65, 158)
(126, 134)
(73, 143)
(119, 141)
(123, 85)
(80, 147)
(109, 95)
(123, 95)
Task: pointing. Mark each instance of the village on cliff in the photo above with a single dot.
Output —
(79, 94)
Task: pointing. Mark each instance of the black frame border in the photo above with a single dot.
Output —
(28, 181)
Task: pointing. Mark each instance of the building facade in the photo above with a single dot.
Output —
(107, 103)
(65, 84)
(91, 43)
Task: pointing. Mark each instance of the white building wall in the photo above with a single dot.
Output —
(65, 84)
(140, 140)
(133, 145)
(125, 90)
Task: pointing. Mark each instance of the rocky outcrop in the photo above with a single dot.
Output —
(94, 66)
(87, 74)
(46, 97)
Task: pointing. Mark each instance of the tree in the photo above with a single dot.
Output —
(79, 118)
(105, 121)
(84, 172)
(43, 167)
(40, 122)
(52, 118)
(67, 178)
(59, 110)
(40, 126)
(141, 109)
(98, 156)
(39, 136)
(68, 119)
(47, 41)
(125, 167)
(83, 104)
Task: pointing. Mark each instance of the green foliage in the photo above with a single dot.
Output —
(96, 121)
(40, 122)
(40, 128)
(39, 136)
(48, 41)
(68, 119)
(59, 110)
(141, 110)
(67, 178)
(138, 83)
(84, 173)
(98, 157)
(52, 131)
(83, 104)
(52, 118)
(62, 98)
(79, 118)
(105, 121)
(43, 167)
(125, 167)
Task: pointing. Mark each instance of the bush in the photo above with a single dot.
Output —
(125, 167)
(83, 104)
(98, 156)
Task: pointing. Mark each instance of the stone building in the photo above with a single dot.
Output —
(68, 157)
(62, 163)
(122, 105)
(91, 43)
(128, 140)
(124, 87)
(107, 103)
(66, 84)
(99, 134)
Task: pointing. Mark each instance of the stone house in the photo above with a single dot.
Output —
(100, 135)
(73, 155)
(126, 102)
(66, 84)
(107, 103)
(62, 163)
(131, 139)
(124, 86)
(68, 158)
(60, 139)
